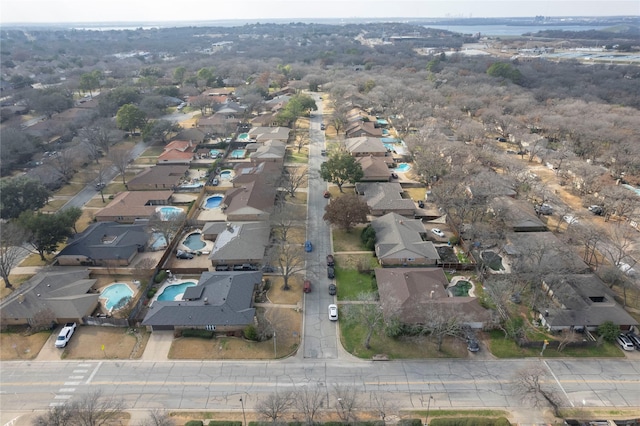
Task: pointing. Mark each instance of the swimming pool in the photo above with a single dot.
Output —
(214, 153)
(116, 295)
(213, 201)
(158, 241)
(238, 153)
(169, 212)
(243, 137)
(403, 167)
(225, 174)
(194, 241)
(175, 292)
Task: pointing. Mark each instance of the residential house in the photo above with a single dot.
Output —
(267, 171)
(128, 206)
(250, 202)
(104, 244)
(385, 197)
(178, 152)
(540, 253)
(365, 146)
(263, 134)
(159, 177)
(518, 215)
(399, 242)
(218, 123)
(275, 104)
(375, 169)
(196, 136)
(362, 128)
(578, 302)
(271, 151)
(220, 302)
(267, 119)
(239, 243)
(417, 296)
(60, 296)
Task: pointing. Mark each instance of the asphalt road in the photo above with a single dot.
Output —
(320, 338)
(29, 386)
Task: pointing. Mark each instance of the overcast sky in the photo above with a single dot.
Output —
(52, 11)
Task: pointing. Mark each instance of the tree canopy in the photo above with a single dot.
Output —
(340, 169)
(46, 230)
(346, 211)
(130, 118)
(21, 194)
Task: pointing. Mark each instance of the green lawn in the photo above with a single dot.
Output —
(294, 157)
(350, 282)
(506, 348)
(352, 335)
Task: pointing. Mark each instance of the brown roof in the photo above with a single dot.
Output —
(133, 204)
(166, 175)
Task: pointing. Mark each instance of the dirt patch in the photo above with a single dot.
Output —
(118, 343)
(287, 323)
(18, 345)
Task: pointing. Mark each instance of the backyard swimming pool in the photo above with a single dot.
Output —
(158, 241)
(213, 201)
(238, 153)
(175, 291)
(116, 295)
(194, 241)
(403, 167)
(243, 137)
(225, 174)
(169, 212)
(214, 153)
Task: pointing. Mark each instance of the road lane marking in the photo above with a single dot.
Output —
(95, 371)
(71, 383)
(69, 390)
(62, 397)
(79, 371)
(558, 382)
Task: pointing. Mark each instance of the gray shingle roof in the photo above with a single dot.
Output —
(240, 241)
(384, 196)
(107, 240)
(219, 299)
(399, 237)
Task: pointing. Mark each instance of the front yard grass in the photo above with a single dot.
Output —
(347, 241)
(18, 345)
(352, 335)
(293, 156)
(54, 205)
(507, 348)
(350, 282)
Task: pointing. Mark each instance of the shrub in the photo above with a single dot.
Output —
(410, 422)
(194, 332)
(160, 276)
(224, 423)
(470, 421)
(608, 331)
(152, 292)
(250, 333)
(194, 423)
(368, 237)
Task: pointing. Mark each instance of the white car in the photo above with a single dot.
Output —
(625, 343)
(570, 219)
(438, 232)
(65, 334)
(333, 312)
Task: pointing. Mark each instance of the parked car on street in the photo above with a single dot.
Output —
(65, 334)
(326, 194)
(322, 127)
(635, 339)
(333, 312)
(306, 286)
(330, 260)
(308, 247)
(332, 289)
(331, 273)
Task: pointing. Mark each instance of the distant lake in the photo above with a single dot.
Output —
(513, 30)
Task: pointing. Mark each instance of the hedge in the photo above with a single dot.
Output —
(470, 421)
(160, 276)
(410, 422)
(224, 423)
(193, 332)
(194, 423)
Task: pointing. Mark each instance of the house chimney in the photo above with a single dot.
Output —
(431, 295)
(206, 300)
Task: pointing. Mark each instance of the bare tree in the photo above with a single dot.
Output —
(93, 409)
(101, 177)
(293, 178)
(529, 383)
(441, 321)
(301, 139)
(157, 418)
(283, 220)
(290, 260)
(11, 252)
(309, 400)
(167, 225)
(60, 415)
(381, 403)
(65, 163)
(274, 405)
(368, 313)
(121, 158)
(346, 404)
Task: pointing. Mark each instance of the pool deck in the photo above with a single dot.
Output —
(455, 280)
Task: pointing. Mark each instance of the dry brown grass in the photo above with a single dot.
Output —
(118, 343)
(17, 345)
(279, 296)
(16, 281)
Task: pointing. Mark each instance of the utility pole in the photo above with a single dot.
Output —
(244, 417)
